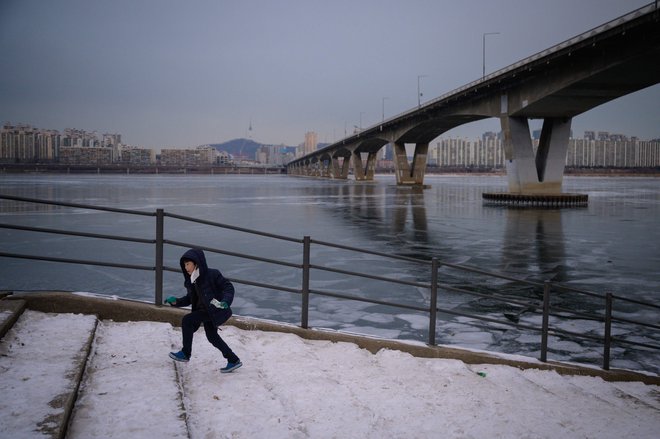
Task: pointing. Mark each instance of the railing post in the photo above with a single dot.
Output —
(160, 220)
(546, 322)
(433, 306)
(608, 331)
(305, 283)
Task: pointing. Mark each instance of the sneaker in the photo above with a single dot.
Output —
(179, 356)
(230, 367)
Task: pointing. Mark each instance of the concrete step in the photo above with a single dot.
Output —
(10, 311)
(130, 378)
(42, 359)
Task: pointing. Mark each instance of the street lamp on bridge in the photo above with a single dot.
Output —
(419, 93)
(483, 51)
(384, 108)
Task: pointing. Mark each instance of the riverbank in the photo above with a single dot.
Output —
(122, 310)
(137, 170)
(80, 375)
(54, 168)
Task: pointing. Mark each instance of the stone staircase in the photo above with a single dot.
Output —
(70, 367)
(34, 378)
(48, 360)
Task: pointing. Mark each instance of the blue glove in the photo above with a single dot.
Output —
(221, 305)
(170, 300)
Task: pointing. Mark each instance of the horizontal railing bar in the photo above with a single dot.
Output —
(638, 302)
(77, 261)
(496, 297)
(647, 325)
(560, 287)
(556, 310)
(264, 285)
(557, 331)
(491, 274)
(365, 300)
(552, 331)
(368, 276)
(485, 327)
(238, 255)
(235, 228)
(79, 206)
(417, 260)
(532, 306)
(369, 252)
(73, 233)
(634, 343)
(487, 319)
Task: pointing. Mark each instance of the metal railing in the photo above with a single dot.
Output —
(550, 313)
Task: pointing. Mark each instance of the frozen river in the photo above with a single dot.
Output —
(609, 246)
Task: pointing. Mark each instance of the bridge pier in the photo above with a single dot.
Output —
(362, 172)
(541, 172)
(410, 174)
(325, 168)
(340, 172)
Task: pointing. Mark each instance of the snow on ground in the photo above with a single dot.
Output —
(36, 363)
(295, 388)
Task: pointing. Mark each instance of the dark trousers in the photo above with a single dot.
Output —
(191, 323)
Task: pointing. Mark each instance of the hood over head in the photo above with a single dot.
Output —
(197, 256)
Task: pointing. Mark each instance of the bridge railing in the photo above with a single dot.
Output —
(542, 308)
(585, 36)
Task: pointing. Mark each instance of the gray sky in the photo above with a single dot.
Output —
(166, 73)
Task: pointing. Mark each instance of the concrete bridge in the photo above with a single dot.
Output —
(602, 64)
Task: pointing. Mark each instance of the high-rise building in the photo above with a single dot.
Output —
(25, 144)
(311, 141)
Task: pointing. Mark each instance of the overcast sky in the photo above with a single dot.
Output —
(166, 73)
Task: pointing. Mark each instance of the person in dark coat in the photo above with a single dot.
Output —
(210, 295)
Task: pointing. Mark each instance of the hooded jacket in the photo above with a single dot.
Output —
(210, 284)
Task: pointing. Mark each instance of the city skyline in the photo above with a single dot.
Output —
(171, 75)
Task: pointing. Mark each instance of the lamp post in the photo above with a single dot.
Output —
(419, 93)
(483, 50)
(384, 108)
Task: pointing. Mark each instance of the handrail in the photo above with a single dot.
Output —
(230, 227)
(76, 261)
(74, 233)
(78, 205)
(306, 267)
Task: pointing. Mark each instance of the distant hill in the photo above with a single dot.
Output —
(246, 147)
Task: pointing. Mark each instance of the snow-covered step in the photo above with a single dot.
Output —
(130, 388)
(10, 311)
(42, 358)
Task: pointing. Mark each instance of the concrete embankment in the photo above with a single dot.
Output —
(122, 310)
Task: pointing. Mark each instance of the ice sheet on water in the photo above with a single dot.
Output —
(378, 318)
(473, 339)
(416, 321)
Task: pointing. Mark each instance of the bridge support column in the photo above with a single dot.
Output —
(362, 172)
(540, 173)
(325, 168)
(406, 173)
(340, 172)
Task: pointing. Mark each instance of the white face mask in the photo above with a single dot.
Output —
(194, 275)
